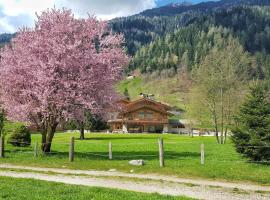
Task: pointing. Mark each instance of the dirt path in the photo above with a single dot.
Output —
(196, 188)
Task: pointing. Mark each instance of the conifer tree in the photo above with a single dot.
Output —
(252, 133)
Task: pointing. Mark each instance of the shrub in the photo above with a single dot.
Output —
(20, 137)
(252, 135)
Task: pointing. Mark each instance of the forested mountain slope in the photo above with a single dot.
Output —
(176, 35)
(176, 50)
(189, 45)
(250, 24)
(140, 30)
(147, 26)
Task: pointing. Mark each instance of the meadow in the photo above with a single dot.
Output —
(182, 156)
(12, 188)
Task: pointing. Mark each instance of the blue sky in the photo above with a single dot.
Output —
(15, 14)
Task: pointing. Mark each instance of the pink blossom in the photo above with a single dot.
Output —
(62, 65)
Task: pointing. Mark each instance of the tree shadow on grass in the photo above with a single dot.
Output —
(18, 150)
(124, 155)
(116, 138)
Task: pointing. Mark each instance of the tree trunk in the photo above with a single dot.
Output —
(216, 128)
(225, 139)
(82, 131)
(43, 139)
(81, 127)
(46, 146)
(222, 119)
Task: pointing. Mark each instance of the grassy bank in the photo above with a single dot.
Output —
(182, 156)
(11, 188)
(165, 89)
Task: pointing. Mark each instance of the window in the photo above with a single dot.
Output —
(141, 115)
(149, 115)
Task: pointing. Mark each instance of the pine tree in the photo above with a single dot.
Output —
(252, 134)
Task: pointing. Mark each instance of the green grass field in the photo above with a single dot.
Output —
(182, 156)
(11, 188)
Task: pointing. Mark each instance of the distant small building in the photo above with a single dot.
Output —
(143, 115)
(130, 77)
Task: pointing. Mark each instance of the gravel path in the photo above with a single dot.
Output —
(150, 183)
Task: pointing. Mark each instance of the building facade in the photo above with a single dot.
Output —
(143, 115)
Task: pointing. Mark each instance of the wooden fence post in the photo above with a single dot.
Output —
(36, 149)
(71, 149)
(110, 150)
(161, 152)
(202, 154)
(2, 146)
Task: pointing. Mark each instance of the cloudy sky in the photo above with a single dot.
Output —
(17, 13)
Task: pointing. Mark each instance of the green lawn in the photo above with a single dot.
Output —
(11, 188)
(182, 156)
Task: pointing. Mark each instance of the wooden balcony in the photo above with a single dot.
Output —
(145, 121)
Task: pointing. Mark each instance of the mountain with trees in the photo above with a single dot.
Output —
(143, 28)
(189, 44)
(200, 60)
(250, 24)
(149, 25)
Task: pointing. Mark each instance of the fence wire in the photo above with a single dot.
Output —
(167, 154)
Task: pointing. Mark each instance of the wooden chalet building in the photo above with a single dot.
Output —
(143, 115)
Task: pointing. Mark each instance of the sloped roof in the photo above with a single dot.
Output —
(146, 103)
(165, 106)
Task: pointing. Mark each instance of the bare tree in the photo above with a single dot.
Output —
(219, 79)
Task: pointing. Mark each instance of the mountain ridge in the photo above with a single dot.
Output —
(179, 4)
(201, 7)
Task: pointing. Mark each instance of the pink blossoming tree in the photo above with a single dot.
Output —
(61, 67)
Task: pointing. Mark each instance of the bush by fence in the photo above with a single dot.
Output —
(20, 137)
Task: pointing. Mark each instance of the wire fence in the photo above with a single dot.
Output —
(159, 150)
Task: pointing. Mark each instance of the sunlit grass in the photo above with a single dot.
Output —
(182, 156)
(12, 188)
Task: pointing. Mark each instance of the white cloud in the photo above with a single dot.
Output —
(12, 23)
(106, 8)
(17, 7)
(17, 13)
